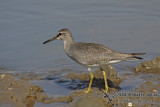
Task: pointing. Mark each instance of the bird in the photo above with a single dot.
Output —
(91, 54)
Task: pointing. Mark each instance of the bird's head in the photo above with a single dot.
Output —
(63, 34)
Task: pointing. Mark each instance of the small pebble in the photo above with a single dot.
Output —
(2, 76)
(129, 104)
(155, 91)
(9, 88)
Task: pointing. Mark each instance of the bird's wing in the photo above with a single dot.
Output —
(90, 53)
(92, 47)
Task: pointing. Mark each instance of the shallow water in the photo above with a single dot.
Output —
(126, 26)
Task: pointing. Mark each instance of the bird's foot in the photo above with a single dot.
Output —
(106, 90)
(89, 90)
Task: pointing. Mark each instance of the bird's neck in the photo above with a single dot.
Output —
(67, 44)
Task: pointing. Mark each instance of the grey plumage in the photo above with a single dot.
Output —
(91, 54)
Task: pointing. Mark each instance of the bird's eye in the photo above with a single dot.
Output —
(60, 34)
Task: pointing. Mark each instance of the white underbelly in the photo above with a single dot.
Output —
(114, 61)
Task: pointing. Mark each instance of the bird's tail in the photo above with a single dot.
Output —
(137, 53)
(134, 56)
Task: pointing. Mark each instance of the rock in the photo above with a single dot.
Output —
(112, 79)
(152, 66)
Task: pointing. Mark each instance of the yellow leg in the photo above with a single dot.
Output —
(105, 80)
(91, 80)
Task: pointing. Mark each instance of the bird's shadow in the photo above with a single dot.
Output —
(76, 84)
(99, 83)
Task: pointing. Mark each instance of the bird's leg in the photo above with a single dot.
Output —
(91, 79)
(105, 80)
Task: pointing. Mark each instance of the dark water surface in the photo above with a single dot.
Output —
(126, 26)
(123, 25)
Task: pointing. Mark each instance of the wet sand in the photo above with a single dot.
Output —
(18, 91)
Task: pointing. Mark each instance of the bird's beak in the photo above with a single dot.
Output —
(49, 40)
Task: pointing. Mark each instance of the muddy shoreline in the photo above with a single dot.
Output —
(17, 91)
